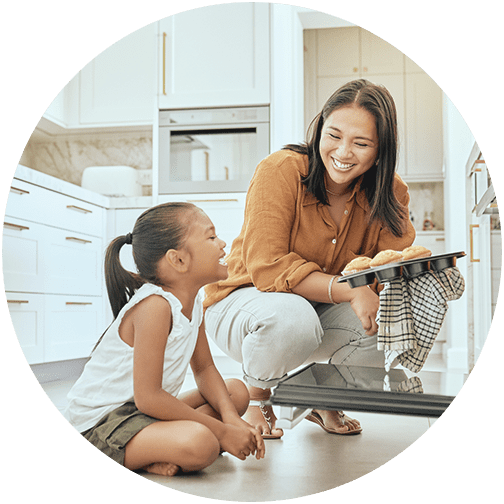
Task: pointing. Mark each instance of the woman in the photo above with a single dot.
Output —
(310, 209)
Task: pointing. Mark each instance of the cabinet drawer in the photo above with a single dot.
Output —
(73, 325)
(27, 315)
(43, 259)
(36, 204)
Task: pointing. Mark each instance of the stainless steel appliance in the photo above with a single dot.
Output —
(211, 150)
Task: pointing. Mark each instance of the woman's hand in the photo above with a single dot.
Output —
(241, 441)
(365, 304)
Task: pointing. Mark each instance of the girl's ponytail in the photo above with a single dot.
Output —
(121, 284)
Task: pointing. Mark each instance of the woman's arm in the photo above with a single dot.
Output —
(364, 301)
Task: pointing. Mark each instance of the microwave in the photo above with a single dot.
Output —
(211, 150)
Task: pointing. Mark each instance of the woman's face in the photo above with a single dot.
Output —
(348, 145)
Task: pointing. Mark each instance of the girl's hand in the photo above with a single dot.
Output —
(260, 447)
(365, 304)
(240, 442)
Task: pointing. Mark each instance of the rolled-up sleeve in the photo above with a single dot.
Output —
(270, 213)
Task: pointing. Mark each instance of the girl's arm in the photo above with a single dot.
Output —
(212, 387)
(151, 320)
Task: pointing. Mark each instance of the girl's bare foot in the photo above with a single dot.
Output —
(162, 468)
(260, 415)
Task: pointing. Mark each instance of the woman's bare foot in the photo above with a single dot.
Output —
(262, 416)
(162, 468)
(335, 422)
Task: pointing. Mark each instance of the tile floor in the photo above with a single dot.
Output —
(305, 461)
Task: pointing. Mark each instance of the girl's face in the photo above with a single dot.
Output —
(348, 145)
(206, 249)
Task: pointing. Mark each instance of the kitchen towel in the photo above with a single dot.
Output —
(412, 312)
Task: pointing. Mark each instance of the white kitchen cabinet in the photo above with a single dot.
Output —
(353, 52)
(424, 135)
(72, 326)
(116, 88)
(42, 259)
(52, 262)
(335, 56)
(27, 315)
(215, 56)
(479, 271)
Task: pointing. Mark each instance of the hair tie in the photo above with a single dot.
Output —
(129, 238)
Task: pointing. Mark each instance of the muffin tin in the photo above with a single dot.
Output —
(408, 269)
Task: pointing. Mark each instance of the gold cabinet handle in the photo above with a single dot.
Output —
(19, 191)
(164, 63)
(17, 301)
(79, 209)
(80, 240)
(16, 226)
(471, 241)
(78, 303)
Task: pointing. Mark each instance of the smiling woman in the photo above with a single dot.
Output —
(311, 209)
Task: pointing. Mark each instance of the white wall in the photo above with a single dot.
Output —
(458, 142)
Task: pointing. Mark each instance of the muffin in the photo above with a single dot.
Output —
(415, 252)
(357, 265)
(385, 257)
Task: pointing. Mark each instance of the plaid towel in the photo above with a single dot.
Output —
(412, 312)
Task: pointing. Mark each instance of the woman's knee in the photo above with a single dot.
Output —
(287, 334)
(239, 394)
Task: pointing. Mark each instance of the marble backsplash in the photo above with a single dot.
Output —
(426, 203)
(67, 157)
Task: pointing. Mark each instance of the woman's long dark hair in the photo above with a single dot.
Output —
(378, 181)
(156, 231)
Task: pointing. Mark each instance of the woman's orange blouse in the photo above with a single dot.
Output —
(288, 234)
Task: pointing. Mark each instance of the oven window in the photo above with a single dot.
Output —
(213, 154)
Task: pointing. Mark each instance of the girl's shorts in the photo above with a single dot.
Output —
(113, 432)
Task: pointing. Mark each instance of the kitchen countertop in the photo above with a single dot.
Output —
(60, 186)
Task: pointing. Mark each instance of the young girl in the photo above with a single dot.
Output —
(126, 401)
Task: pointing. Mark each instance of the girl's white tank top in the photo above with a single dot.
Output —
(107, 380)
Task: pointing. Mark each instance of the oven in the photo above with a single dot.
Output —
(212, 150)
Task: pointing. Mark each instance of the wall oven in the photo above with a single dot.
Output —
(211, 150)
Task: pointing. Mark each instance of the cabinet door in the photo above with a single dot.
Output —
(215, 56)
(118, 86)
(338, 52)
(73, 325)
(72, 263)
(379, 57)
(27, 315)
(424, 140)
(395, 85)
(22, 256)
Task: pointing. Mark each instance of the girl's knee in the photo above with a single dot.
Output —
(239, 394)
(200, 449)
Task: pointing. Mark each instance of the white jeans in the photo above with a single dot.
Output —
(272, 333)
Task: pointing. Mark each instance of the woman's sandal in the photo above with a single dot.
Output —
(316, 418)
(267, 418)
